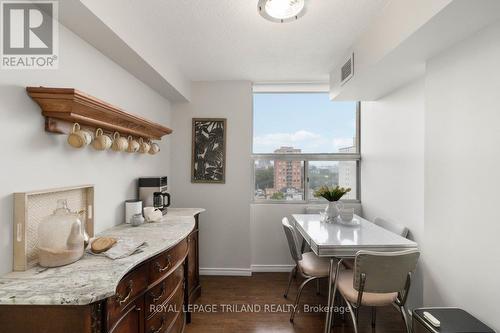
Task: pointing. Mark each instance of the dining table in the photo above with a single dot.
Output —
(338, 241)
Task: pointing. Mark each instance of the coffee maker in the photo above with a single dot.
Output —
(152, 191)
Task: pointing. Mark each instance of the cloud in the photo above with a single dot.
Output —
(284, 139)
(305, 140)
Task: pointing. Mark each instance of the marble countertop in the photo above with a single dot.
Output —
(94, 278)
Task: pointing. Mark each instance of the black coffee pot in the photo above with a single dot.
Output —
(159, 201)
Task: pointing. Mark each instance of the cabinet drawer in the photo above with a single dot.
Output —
(158, 295)
(163, 263)
(171, 309)
(131, 286)
(132, 319)
(178, 326)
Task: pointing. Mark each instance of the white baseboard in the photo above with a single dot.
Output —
(226, 271)
(272, 268)
(246, 271)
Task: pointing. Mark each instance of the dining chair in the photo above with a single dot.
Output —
(308, 265)
(378, 279)
(319, 208)
(315, 209)
(396, 228)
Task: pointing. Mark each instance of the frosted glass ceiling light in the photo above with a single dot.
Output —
(281, 10)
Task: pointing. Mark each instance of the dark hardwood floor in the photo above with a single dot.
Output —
(236, 293)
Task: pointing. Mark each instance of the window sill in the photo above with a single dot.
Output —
(290, 202)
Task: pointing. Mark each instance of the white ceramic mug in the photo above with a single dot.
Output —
(148, 210)
(143, 146)
(79, 138)
(347, 214)
(136, 220)
(152, 214)
(155, 216)
(101, 140)
(119, 143)
(155, 148)
(133, 145)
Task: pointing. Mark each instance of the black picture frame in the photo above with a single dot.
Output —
(208, 150)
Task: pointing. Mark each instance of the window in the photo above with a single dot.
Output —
(302, 141)
(332, 173)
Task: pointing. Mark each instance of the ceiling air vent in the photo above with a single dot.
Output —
(347, 70)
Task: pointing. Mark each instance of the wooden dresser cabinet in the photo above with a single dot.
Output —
(144, 296)
(193, 263)
(151, 298)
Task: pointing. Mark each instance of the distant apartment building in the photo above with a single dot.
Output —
(263, 164)
(287, 174)
(347, 173)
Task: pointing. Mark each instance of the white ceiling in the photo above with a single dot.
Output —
(229, 40)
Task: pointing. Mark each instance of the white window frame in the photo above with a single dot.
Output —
(306, 158)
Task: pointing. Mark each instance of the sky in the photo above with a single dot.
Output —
(309, 121)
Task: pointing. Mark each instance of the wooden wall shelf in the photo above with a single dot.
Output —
(73, 106)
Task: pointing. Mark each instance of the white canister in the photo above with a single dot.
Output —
(132, 207)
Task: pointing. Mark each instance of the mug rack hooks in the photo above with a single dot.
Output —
(62, 107)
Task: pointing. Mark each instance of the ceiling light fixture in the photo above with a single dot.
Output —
(281, 10)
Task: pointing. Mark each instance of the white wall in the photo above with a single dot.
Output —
(392, 167)
(33, 159)
(224, 227)
(269, 246)
(462, 178)
(429, 161)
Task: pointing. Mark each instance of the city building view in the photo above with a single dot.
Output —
(348, 173)
(284, 179)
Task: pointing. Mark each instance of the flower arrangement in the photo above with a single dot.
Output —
(331, 194)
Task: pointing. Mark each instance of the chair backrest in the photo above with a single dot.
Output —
(315, 209)
(399, 229)
(291, 237)
(385, 272)
(318, 208)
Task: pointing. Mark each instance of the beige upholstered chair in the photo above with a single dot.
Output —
(308, 265)
(398, 229)
(378, 279)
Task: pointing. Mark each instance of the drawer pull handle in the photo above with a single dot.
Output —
(122, 299)
(153, 330)
(163, 269)
(157, 298)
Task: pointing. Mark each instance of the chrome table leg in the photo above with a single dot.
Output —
(332, 280)
(330, 296)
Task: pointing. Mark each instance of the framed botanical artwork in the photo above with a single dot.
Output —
(208, 154)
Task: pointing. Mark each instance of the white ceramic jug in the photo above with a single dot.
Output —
(333, 210)
(60, 237)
